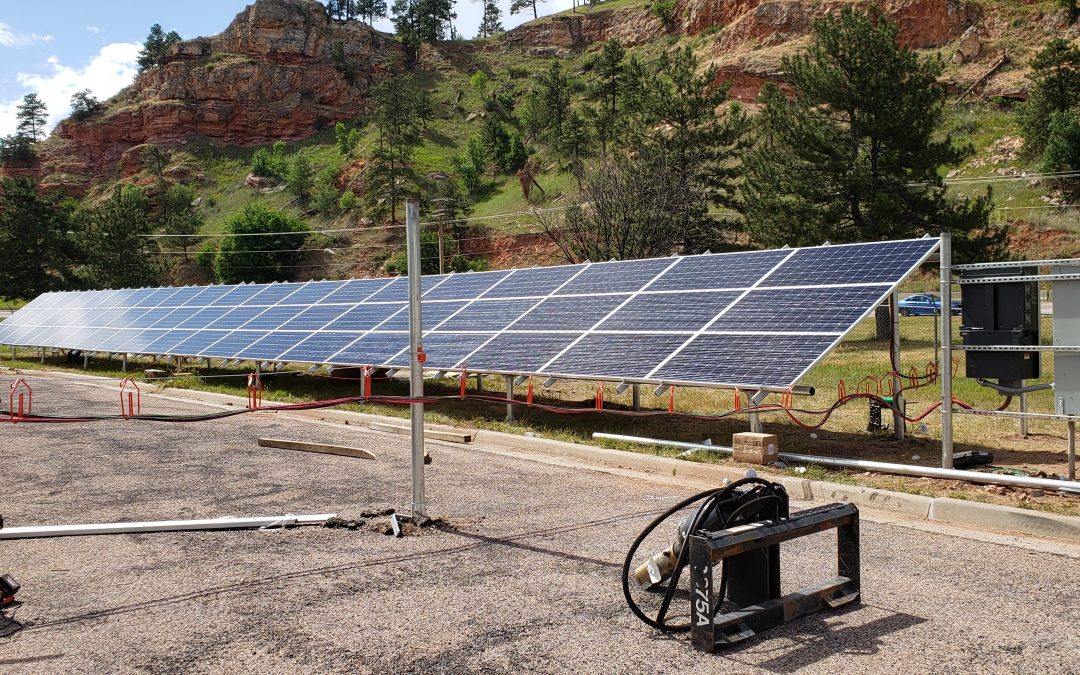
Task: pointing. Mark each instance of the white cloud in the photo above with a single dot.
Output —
(112, 69)
(94, 29)
(9, 37)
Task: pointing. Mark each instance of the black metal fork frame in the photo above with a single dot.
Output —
(711, 631)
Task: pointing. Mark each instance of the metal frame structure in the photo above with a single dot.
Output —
(947, 347)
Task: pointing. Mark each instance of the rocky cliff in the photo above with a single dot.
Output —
(281, 71)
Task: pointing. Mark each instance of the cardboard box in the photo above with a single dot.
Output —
(756, 448)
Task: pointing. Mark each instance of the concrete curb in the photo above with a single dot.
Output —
(942, 509)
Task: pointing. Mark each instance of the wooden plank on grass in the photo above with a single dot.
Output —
(451, 435)
(315, 447)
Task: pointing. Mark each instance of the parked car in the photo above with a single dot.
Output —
(925, 304)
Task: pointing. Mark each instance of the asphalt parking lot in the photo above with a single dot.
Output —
(525, 576)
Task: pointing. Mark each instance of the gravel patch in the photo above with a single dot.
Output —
(524, 578)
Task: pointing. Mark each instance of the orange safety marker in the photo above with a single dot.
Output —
(133, 405)
(738, 400)
(671, 401)
(841, 390)
(254, 391)
(26, 399)
(599, 396)
(366, 375)
(786, 401)
(869, 385)
(465, 376)
(528, 400)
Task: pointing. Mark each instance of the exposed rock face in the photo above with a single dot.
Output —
(272, 75)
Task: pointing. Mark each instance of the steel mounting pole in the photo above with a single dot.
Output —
(899, 426)
(636, 392)
(416, 367)
(509, 397)
(755, 419)
(945, 366)
(1023, 409)
(1072, 449)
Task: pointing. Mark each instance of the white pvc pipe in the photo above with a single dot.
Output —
(226, 523)
(881, 467)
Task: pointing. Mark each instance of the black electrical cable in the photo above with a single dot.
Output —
(709, 499)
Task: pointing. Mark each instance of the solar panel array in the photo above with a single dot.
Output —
(759, 318)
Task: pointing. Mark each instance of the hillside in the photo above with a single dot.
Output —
(284, 71)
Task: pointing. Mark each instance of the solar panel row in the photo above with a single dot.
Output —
(754, 318)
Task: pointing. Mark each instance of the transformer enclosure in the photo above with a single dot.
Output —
(1001, 314)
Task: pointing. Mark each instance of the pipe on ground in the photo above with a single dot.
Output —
(867, 465)
(226, 523)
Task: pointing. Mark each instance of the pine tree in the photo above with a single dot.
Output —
(575, 143)
(36, 252)
(491, 20)
(517, 6)
(118, 254)
(406, 19)
(606, 92)
(1056, 73)
(399, 129)
(555, 96)
(369, 10)
(855, 156)
(156, 47)
(31, 116)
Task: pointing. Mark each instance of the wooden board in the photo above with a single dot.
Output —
(451, 435)
(315, 447)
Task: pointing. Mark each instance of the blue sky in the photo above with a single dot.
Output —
(58, 48)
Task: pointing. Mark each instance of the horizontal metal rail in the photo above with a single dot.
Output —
(1009, 280)
(1064, 262)
(1017, 348)
(227, 523)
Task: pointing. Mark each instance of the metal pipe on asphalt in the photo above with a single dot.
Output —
(945, 363)
(867, 465)
(227, 523)
(416, 366)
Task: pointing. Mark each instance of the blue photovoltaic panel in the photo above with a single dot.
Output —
(486, 315)
(536, 282)
(579, 313)
(446, 350)
(850, 264)
(803, 309)
(617, 277)
(669, 311)
(764, 360)
(465, 286)
(727, 270)
(518, 352)
(602, 355)
(433, 313)
(754, 318)
(366, 317)
(373, 350)
(319, 347)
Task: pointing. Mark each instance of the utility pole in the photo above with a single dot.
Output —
(416, 360)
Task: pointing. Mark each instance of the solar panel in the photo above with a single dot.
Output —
(758, 318)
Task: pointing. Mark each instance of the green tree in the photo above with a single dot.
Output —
(1056, 74)
(575, 143)
(472, 166)
(266, 253)
(518, 6)
(31, 116)
(555, 96)
(532, 116)
(84, 105)
(156, 161)
(270, 163)
(369, 10)
(398, 129)
(347, 139)
(180, 216)
(16, 149)
(606, 91)
(301, 176)
(118, 252)
(855, 156)
(491, 19)
(405, 16)
(1062, 151)
(156, 47)
(37, 251)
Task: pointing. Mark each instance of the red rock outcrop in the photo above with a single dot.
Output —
(281, 71)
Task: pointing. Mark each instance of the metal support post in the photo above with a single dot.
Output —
(509, 397)
(479, 383)
(636, 393)
(755, 419)
(945, 366)
(1072, 449)
(1023, 409)
(125, 363)
(42, 356)
(416, 367)
(85, 361)
(899, 427)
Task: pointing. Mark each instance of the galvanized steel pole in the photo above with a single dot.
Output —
(898, 398)
(945, 365)
(416, 368)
